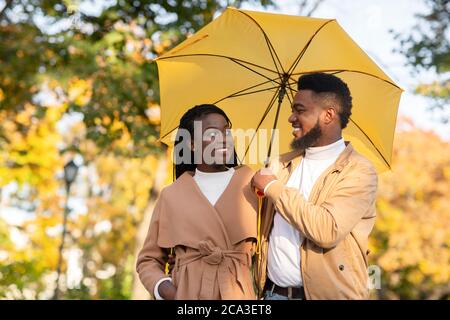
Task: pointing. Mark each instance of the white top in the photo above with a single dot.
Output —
(212, 185)
(284, 242)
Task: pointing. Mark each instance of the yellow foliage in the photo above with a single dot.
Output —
(117, 125)
(24, 117)
(31, 156)
(411, 237)
(80, 91)
(125, 141)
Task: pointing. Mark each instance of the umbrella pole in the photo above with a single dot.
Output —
(260, 194)
(281, 95)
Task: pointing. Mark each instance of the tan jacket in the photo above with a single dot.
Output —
(213, 244)
(336, 221)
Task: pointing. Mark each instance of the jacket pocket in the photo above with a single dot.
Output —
(346, 266)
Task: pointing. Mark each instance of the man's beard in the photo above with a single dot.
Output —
(309, 139)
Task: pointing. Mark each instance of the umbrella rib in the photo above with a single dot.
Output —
(167, 133)
(336, 71)
(248, 88)
(258, 73)
(234, 95)
(266, 112)
(289, 98)
(269, 45)
(217, 56)
(300, 56)
(292, 91)
(379, 152)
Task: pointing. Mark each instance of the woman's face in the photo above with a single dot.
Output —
(217, 145)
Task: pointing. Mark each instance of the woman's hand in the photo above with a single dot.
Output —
(167, 290)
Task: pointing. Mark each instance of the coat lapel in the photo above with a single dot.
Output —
(238, 206)
(189, 218)
(213, 209)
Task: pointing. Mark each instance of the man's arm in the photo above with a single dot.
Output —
(328, 223)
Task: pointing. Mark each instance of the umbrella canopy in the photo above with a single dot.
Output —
(248, 64)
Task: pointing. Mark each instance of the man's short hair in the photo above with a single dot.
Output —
(325, 84)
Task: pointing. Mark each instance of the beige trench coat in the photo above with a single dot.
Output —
(336, 221)
(213, 244)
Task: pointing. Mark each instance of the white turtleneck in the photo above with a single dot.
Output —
(212, 185)
(284, 242)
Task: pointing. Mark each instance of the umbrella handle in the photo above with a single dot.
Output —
(258, 236)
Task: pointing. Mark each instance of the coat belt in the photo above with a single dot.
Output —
(221, 264)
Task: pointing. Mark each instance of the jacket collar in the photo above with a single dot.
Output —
(292, 159)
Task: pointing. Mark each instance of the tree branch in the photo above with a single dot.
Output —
(302, 6)
(314, 7)
(7, 5)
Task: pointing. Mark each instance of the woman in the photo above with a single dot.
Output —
(207, 215)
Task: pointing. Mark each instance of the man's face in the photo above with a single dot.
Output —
(305, 120)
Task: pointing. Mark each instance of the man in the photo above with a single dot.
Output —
(320, 202)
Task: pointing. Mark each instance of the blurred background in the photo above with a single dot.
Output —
(79, 123)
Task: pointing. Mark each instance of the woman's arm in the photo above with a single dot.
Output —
(152, 259)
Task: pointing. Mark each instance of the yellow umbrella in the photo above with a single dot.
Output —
(248, 63)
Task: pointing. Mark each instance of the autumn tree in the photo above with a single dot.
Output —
(411, 241)
(69, 60)
(427, 47)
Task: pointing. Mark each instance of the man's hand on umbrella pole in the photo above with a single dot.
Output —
(262, 178)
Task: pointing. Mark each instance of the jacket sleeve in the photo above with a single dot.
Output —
(328, 223)
(152, 259)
